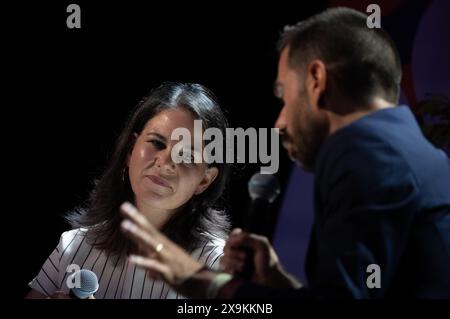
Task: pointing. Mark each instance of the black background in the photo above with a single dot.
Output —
(73, 89)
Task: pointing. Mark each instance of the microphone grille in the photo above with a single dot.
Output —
(264, 186)
(88, 284)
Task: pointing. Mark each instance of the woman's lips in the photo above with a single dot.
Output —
(159, 181)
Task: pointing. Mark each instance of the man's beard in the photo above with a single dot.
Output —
(308, 139)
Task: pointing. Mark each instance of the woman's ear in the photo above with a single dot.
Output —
(209, 177)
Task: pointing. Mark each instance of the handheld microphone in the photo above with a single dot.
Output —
(263, 190)
(88, 284)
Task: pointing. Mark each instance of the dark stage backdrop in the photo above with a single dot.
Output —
(76, 88)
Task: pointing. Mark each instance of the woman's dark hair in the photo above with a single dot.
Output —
(203, 215)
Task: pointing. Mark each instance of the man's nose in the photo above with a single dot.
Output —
(280, 123)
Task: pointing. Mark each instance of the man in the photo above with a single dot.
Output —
(382, 191)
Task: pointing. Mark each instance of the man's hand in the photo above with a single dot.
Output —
(158, 254)
(267, 268)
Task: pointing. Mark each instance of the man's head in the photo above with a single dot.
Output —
(331, 63)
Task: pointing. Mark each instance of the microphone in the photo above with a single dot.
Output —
(263, 190)
(88, 284)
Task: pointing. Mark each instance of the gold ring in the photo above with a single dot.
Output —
(159, 247)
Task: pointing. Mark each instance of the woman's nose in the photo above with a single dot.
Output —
(163, 160)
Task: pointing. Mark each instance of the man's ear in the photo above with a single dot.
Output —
(209, 177)
(316, 83)
(135, 137)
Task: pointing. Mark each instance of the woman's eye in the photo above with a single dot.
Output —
(158, 144)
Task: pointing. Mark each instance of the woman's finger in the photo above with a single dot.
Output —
(140, 237)
(131, 212)
(154, 266)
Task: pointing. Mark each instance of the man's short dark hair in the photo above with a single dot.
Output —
(361, 62)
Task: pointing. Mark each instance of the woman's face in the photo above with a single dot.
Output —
(155, 179)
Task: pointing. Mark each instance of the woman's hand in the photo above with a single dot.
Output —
(159, 255)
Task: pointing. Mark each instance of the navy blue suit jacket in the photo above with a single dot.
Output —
(382, 196)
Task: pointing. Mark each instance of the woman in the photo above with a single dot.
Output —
(182, 200)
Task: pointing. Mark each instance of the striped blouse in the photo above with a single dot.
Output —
(117, 277)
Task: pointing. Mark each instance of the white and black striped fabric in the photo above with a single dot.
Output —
(118, 279)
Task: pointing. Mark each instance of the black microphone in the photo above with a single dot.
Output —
(88, 284)
(263, 190)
